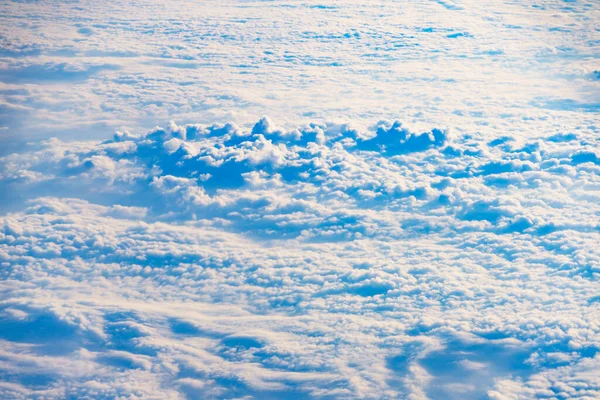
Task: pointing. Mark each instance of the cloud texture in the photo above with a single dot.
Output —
(417, 218)
(323, 261)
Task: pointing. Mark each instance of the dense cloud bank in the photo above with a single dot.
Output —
(80, 69)
(311, 255)
(331, 260)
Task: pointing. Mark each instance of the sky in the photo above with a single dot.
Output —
(298, 200)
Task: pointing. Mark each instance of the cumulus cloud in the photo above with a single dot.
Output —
(448, 251)
(219, 261)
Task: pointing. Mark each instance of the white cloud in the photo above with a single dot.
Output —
(313, 252)
(328, 281)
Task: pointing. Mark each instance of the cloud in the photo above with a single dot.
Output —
(394, 139)
(217, 260)
(306, 250)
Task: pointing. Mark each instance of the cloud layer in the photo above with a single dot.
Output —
(78, 70)
(323, 261)
(417, 218)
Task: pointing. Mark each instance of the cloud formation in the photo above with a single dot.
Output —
(418, 217)
(322, 261)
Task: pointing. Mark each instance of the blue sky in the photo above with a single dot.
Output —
(292, 199)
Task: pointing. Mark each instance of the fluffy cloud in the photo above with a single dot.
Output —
(486, 67)
(314, 253)
(321, 261)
